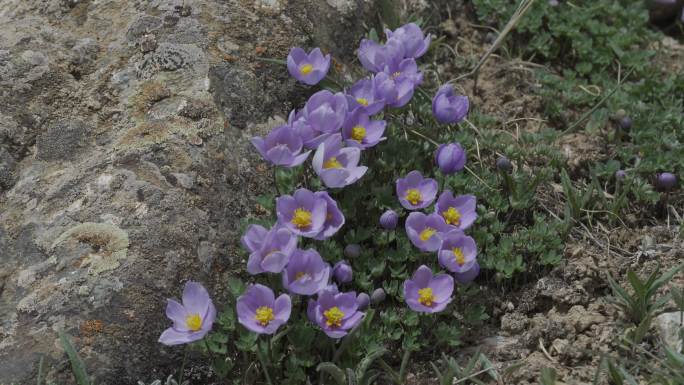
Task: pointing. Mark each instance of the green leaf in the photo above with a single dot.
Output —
(334, 371)
(77, 366)
(548, 376)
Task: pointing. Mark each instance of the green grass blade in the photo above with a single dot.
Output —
(77, 366)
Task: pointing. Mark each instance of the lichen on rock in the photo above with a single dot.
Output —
(109, 242)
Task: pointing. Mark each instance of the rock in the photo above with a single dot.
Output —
(669, 328)
(122, 171)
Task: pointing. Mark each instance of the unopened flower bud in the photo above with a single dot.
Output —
(342, 272)
(389, 220)
(378, 296)
(504, 164)
(352, 251)
(362, 301)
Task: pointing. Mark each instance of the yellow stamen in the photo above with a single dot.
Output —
(332, 163)
(362, 101)
(413, 196)
(452, 216)
(395, 74)
(301, 218)
(300, 275)
(427, 233)
(193, 322)
(358, 133)
(306, 69)
(333, 317)
(264, 315)
(426, 297)
(458, 256)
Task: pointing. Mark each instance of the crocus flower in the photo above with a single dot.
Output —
(364, 95)
(375, 56)
(426, 231)
(450, 158)
(282, 147)
(342, 272)
(427, 294)
(259, 311)
(447, 107)
(192, 319)
(325, 112)
(457, 253)
(333, 217)
(416, 192)
(457, 211)
(411, 37)
(337, 166)
(396, 92)
(335, 313)
(304, 214)
(406, 69)
(468, 275)
(306, 273)
(308, 68)
(310, 136)
(270, 250)
(359, 131)
(389, 220)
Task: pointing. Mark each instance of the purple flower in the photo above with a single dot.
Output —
(259, 311)
(416, 192)
(450, 158)
(342, 272)
(468, 275)
(304, 213)
(396, 92)
(310, 137)
(308, 68)
(193, 319)
(333, 217)
(364, 95)
(281, 147)
(337, 166)
(411, 37)
(666, 181)
(389, 220)
(458, 211)
(375, 57)
(335, 313)
(447, 107)
(270, 250)
(427, 294)
(359, 131)
(406, 69)
(325, 112)
(457, 253)
(426, 231)
(362, 300)
(307, 273)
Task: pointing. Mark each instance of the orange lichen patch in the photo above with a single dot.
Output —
(259, 50)
(156, 131)
(91, 327)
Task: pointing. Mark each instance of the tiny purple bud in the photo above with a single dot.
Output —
(378, 296)
(625, 123)
(362, 301)
(342, 272)
(352, 251)
(504, 164)
(389, 220)
(666, 181)
(620, 174)
(450, 158)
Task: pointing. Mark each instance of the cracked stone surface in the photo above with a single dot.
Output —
(125, 166)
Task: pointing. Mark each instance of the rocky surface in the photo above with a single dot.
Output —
(125, 167)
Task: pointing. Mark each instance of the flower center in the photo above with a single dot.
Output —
(264, 315)
(395, 74)
(362, 101)
(452, 216)
(301, 218)
(426, 297)
(427, 233)
(300, 275)
(458, 256)
(332, 163)
(413, 196)
(193, 322)
(333, 317)
(358, 133)
(305, 69)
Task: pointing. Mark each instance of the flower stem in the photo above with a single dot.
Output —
(262, 360)
(182, 368)
(275, 180)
